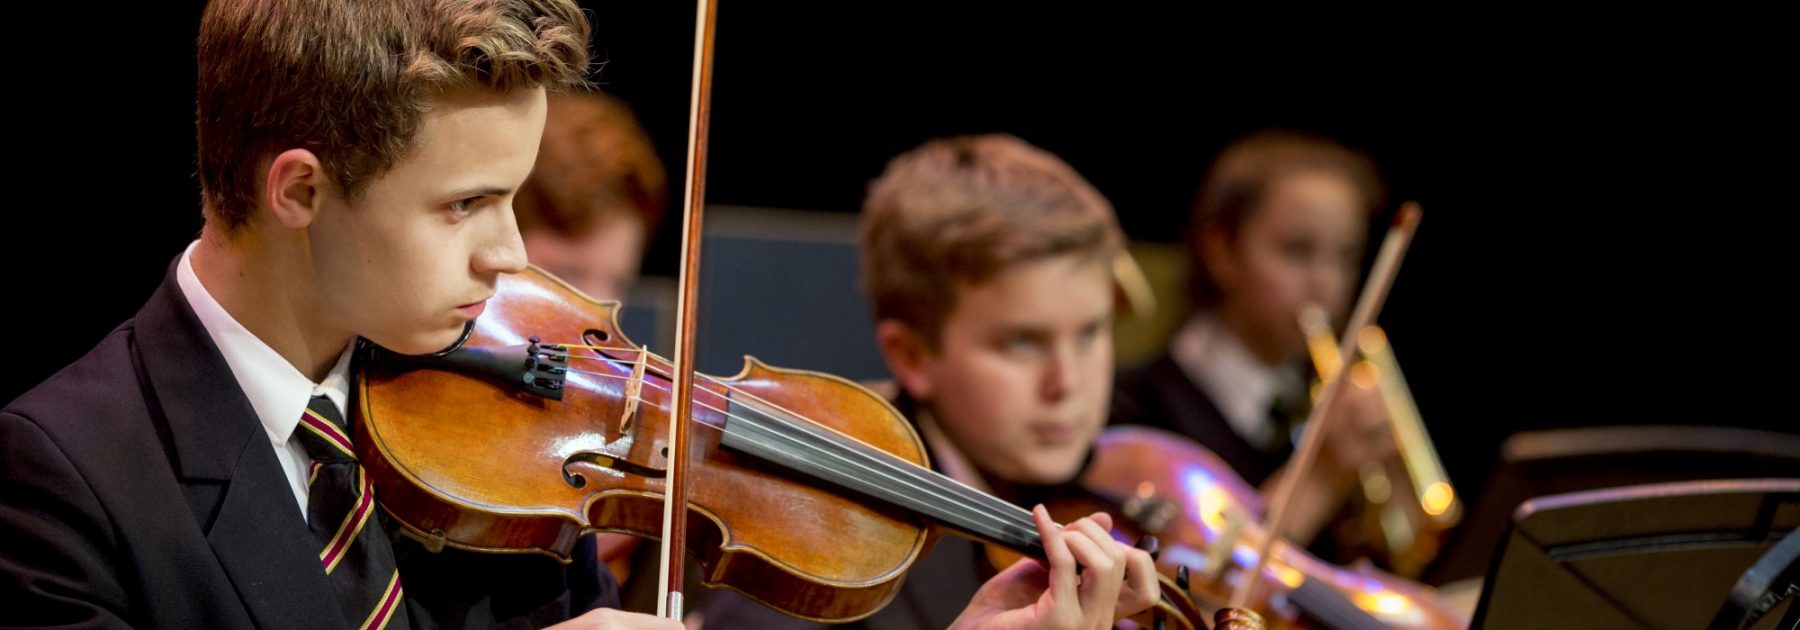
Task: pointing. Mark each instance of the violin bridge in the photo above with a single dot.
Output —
(634, 388)
(1219, 556)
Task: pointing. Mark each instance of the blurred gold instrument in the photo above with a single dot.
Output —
(1407, 502)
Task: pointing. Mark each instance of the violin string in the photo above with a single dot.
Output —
(1310, 598)
(647, 383)
(924, 482)
(736, 391)
(959, 487)
(747, 395)
(907, 475)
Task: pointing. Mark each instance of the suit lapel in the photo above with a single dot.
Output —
(257, 530)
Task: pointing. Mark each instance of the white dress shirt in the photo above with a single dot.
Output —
(277, 390)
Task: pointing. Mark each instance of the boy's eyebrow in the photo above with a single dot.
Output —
(481, 191)
(1030, 330)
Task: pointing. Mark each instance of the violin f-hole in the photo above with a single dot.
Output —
(576, 480)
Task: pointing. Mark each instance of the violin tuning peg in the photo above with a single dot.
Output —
(1181, 578)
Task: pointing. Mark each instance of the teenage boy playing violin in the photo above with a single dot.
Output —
(988, 264)
(357, 162)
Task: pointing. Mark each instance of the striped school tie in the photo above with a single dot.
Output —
(340, 510)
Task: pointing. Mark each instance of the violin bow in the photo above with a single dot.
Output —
(675, 494)
(1374, 294)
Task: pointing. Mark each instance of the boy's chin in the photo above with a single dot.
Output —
(1051, 471)
(423, 343)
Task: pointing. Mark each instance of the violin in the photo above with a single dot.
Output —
(1203, 516)
(545, 423)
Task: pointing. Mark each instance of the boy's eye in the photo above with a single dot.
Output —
(464, 206)
(1019, 344)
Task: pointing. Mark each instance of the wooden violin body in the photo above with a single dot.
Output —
(462, 461)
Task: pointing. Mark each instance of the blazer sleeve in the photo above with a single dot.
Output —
(55, 538)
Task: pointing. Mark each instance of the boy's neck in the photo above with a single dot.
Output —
(1238, 324)
(258, 279)
(960, 467)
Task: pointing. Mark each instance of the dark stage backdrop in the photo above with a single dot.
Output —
(1605, 237)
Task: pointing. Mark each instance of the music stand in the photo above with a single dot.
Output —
(1654, 556)
(1560, 461)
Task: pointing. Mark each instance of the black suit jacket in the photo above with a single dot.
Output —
(138, 488)
(1160, 395)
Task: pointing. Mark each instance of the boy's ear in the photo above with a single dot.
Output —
(293, 189)
(909, 356)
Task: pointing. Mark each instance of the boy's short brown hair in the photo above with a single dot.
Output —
(351, 80)
(958, 211)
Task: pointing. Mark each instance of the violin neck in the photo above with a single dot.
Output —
(824, 455)
(827, 456)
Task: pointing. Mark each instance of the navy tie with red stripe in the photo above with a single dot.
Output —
(341, 513)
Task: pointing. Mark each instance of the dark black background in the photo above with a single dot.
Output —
(1605, 237)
